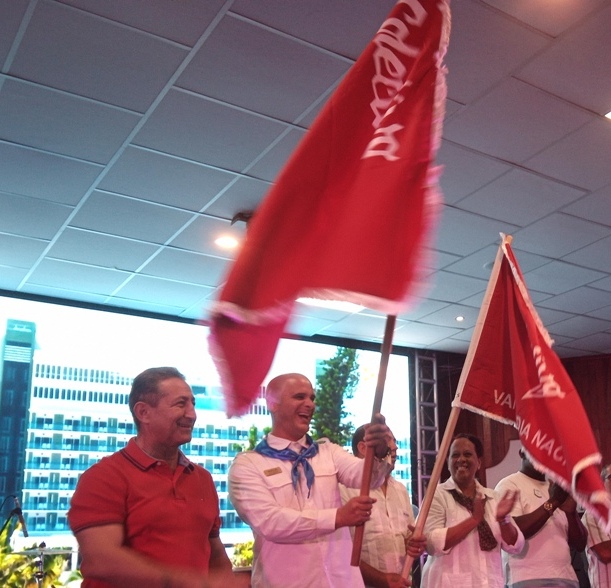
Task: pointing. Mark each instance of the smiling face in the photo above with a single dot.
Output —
(463, 463)
(170, 423)
(291, 401)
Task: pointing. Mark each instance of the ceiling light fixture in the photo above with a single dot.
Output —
(332, 304)
(227, 242)
(608, 115)
(460, 319)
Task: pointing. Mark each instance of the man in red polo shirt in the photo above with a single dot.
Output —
(146, 515)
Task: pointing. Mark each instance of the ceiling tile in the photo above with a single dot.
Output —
(283, 76)
(465, 171)
(495, 44)
(422, 307)
(273, 158)
(557, 277)
(520, 197)
(128, 217)
(43, 175)
(183, 22)
(480, 263)
(102, 250)
(446, 317)
(203, 130)
(363, 326)
(595, 207)
(576, 67)
(598, 342)
(581, 159)
(64, 293)
(320, 21)
(164, 292)
(11, 14)
(61, 123)
(11, 277)
(418, 334)
(580, 326)
(537, 14)
(558, 235)
(464, 233)
(604, 284)
(595, 255)
(62, 46)
(242, 195)
(31, 217)
(76, 277)
(514, 121)
(603, 313)
(186, 266)
(580, 301)
(145, 306)
(305, 326)
(166, 180)
(549, 317)
(20, 252)
(451, 287)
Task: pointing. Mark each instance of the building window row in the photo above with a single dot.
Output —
(80, 395)
(56, 372)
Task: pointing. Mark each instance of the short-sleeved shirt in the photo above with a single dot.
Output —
(598, 572)
(547, 555)
(167, 515)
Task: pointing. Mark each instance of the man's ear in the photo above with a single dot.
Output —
(142, 411)
(362, 448)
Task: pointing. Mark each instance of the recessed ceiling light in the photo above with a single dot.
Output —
(332, 304)
(227, 242)
(460, 319)
(608, 115)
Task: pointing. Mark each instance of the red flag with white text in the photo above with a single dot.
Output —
(351, 213)
(512, 375)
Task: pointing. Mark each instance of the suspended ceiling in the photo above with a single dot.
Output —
(132, 132)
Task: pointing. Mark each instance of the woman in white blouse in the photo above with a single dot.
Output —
(468, 525)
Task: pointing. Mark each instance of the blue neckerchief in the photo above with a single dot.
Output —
(297, 458)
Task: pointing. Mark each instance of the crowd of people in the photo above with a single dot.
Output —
(147, 516)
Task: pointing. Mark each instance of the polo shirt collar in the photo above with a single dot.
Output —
(144, 461)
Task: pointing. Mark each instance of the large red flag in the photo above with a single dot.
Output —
(349, 216)
(512, 375)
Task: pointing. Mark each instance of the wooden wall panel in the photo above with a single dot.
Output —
(591, 376)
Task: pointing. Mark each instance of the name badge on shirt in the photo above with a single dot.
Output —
(272, 471)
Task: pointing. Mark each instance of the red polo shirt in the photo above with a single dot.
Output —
(167, 515)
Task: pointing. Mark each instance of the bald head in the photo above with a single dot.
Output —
(290, 400)
(275, 387)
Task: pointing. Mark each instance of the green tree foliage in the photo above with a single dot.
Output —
(19, 570)
(336, 383)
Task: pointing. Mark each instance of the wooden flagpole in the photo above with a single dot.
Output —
(455, 412)
(369, 453)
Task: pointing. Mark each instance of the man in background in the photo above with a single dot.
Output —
(146, 515)
(599, 544)
(388, 533)
(547, 516)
